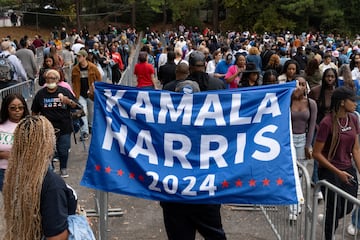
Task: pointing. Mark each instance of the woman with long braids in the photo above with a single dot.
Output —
(335, 160)
(37, 201)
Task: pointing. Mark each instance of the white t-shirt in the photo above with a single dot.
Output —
(6, 140)
(355, 73)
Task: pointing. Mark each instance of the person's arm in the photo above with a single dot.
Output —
(33, 65)
(311, 128)
(356, 153)
(217, 73)
(62, 236)
(323, 162)
(4, 154)
(68, 101)
(19, 69)
(154, 80)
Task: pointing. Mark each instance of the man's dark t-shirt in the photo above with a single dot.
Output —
(49, 105)
(84, 83)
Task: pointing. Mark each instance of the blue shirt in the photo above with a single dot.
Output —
(222, 68)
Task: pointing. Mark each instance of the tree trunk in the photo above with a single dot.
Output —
(164, 8)
(133, 14)
(216, 15)
(77, 3)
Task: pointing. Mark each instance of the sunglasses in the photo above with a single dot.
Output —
(357, 63)
(15, 108)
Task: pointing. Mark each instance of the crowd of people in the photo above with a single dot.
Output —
(323, 106)
(326, 68)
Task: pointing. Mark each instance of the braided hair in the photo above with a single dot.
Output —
(34, 142)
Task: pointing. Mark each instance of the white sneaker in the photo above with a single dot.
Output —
(351, 230)
(292, 217)
(320, 218)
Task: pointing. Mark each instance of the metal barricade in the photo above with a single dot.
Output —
(103, 212)
(309, 225)
(67, 74)
(278, 215)
(39, 56)
(318, 222)
(127, 77)
(23, 88)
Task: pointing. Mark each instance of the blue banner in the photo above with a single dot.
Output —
(229, 146)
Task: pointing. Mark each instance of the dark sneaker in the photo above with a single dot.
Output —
(84, 137)
(64, 173)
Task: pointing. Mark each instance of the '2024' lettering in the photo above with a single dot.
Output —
(170, 184)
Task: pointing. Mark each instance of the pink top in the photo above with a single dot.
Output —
(231, 71)
(67, 86)
(6, 140)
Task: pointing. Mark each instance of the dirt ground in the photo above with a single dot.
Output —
(19, 32)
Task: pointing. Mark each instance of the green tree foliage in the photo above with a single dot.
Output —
(337, 16)
(180, 9)
(296, 15)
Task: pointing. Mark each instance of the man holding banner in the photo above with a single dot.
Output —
(193, 152)
(182, 220)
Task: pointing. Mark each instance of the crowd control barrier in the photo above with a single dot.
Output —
(277, 216)
(310, 224)
(128, 77)
(318, 221)
(24, 88)
(39, 57)
(101, 210)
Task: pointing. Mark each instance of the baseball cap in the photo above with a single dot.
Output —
(187, 86)
(197, 58)
(82, 53)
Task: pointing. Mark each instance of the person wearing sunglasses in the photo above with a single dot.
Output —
(13, 109)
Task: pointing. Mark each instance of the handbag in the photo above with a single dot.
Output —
(77, 113)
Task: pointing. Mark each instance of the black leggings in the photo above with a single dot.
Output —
(340, 204)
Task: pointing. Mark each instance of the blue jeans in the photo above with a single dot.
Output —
(88, 106)
(62, 148)
(2, 175)
(299, 141)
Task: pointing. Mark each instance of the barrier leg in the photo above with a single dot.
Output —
(103, 212)
(103, 215)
